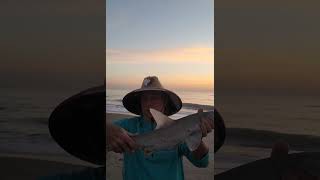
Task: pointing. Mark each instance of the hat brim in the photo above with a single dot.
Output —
(219, 131)
(132, 101)
(78, 125)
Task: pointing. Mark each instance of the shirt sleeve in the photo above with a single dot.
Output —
(128, 124)
(123, 123)
(201, 163)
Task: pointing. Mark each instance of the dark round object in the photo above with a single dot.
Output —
(219, 131)
(78, 125)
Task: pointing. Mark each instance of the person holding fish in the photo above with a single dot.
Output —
(163, 160)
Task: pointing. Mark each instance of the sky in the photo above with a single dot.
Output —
(49, 51)
(270, 46)
(172, 39)
(267, 45)
(52, 44)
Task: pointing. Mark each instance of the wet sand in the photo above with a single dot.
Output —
(33, 167)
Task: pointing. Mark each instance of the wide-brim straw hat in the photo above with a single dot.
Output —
(78, 125)
(219, 131)
(132, 103)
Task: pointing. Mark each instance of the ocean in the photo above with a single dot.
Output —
(24, 117)
(256, 122)
(290, 114)
(24, 120)
(192, 101)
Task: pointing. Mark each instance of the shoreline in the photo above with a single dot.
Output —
(32, 167)
(56, 158)
(241, 146)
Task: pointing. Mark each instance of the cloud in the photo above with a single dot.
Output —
(203, 55)
(199, 82)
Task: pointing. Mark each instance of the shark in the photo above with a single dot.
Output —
(169, 133)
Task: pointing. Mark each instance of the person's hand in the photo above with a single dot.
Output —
(118, 140)
(206, 124)
(286, 170)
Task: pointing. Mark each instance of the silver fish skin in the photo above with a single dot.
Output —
(179, 131)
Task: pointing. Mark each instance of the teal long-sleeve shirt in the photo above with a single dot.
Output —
(160, 164)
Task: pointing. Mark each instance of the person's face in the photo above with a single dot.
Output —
(154, 100)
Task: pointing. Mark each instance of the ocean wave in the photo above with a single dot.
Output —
(197, 106)
(187, 108)
(112, 108)
(114, 100)
(193, 106)
(266, 139)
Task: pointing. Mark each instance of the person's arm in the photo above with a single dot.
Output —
(118, 139)
(200, 162)
(206, 125)
(200, 156)
(201, 151)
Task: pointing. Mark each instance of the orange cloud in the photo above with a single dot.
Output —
(174, 55)
(178, 82)
(190, 82)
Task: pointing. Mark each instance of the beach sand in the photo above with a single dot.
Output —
(241, 146)
(114, 160)
(32, 167)
(247, 145)
(27, 166)
(231, 156)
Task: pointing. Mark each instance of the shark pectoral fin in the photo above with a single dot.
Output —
(194, 140)
(161, 119)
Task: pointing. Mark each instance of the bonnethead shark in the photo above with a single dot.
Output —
(169, 133)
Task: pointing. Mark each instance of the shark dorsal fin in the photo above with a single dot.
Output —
(161, 119)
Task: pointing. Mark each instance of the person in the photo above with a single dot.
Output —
(78, 125)
(164, 164)
(286, 168)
